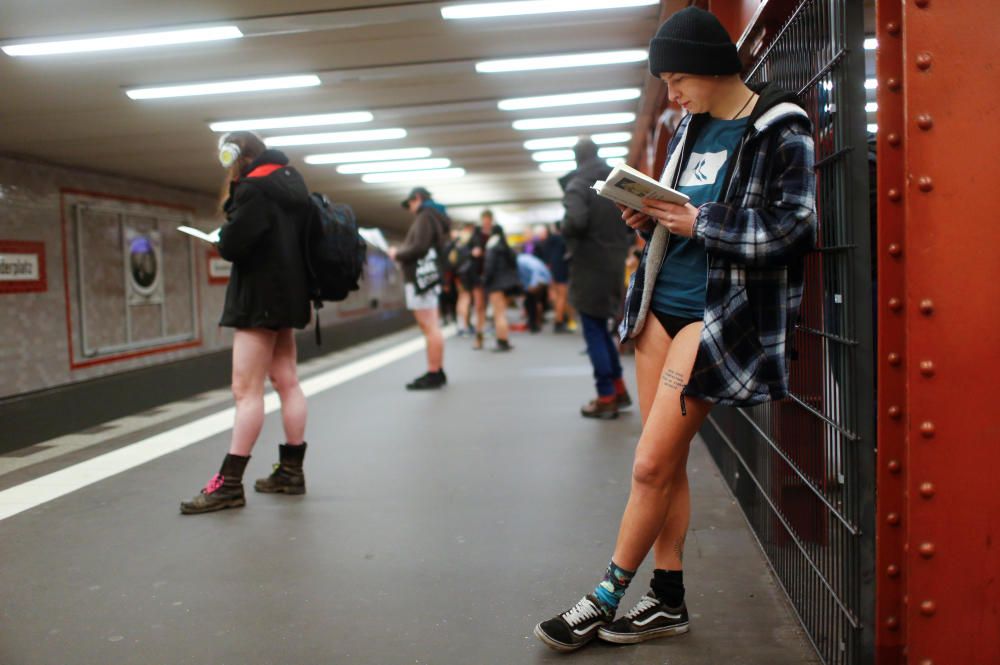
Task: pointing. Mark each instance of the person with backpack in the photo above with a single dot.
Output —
(420, 257)
(711, 305)
(267, 214)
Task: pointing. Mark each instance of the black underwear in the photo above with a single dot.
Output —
(673, 324)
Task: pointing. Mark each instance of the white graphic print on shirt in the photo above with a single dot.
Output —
(703, 168)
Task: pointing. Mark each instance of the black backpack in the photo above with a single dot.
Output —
(335, 253)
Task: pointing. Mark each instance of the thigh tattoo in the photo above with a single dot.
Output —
(673, 379)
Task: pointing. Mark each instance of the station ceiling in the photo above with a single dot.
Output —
(403, 62)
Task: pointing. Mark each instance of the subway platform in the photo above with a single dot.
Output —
(438, 528)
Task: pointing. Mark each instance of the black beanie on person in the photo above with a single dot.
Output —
(692, 41)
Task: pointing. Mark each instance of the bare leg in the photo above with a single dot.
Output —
(660, 459)
(462, 307)
(427, 319)
(253, 349)
(479, 301)
(499, 302)
(285, 379)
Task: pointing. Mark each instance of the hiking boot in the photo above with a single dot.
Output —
(603, 409)
(429, 381)
(224, 490)
(649, 619)
(575, 627)
(623, 400)
(503, 346)
(287, 476)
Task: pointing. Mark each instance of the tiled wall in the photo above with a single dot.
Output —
(126, 326)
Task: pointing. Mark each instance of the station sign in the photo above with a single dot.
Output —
(22, 267)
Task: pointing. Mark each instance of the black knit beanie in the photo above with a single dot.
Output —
(692, 41)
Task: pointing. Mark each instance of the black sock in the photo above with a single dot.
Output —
(668, 585)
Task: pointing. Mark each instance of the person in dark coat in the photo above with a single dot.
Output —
(427, 242)
(500, 278)
(267, 297)
(598, 243)
(553, 251)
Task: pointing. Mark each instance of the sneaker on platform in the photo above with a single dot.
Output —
(600, 409)
(649, 619)
(575, 627)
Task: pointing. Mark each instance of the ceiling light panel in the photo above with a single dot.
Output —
(568, 155)
(548, 101)
(557, 167)
(122, 41)
(225, 87)
(561, 61)
(530, 7)
(336, 137)
(390, 167)
(292, 121)
(413, 176)
(368, 156)
(570, 141)
(574, 121)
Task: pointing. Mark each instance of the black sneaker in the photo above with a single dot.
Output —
(575, 627)
(649, 619)
(429, 381)
(502, 346)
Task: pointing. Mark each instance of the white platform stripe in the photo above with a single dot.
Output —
(33, 493)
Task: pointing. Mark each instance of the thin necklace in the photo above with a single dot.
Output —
(752, 93)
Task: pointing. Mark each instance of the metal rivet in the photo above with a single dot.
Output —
(895, 412)
(925, 121)
(928, 608)
(892, 570)
(925, 183)
(924, 60)
(892, 519)
(927, 490)
(895, 304)
(895, 194)
(927, 307)
(927, 429)
(894, 359)
(923, 4)
(893, 83)
(927, 368)
(892, 27)
(927, 661)
(894, 139)
(892, 623)
(894, 466)
(927, 550)
(895, 249)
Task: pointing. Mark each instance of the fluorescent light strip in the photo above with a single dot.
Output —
(561, 61)
(567, 155)
(873, 127)
(529, 7)
(574, 121)
(413, 176)
(123, 41)
(570, 141)
(391, 167)
(336, 137)
(871, 84)
(368, 156)
(292, 121)
(871, 44)
(566, 167)
(871, 107)
(225, 87)
(573, 99)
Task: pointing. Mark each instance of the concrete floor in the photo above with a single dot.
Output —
(438, 528)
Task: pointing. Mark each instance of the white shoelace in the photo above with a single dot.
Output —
(644, 604)
(582, 611)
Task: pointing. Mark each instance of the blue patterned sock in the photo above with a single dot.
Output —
(611, 589)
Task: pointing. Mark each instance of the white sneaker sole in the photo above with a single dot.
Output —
(553, 644)
(635, 638)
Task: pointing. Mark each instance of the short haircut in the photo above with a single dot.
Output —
(585, 149)
(486, 213)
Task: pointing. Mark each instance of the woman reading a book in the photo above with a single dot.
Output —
(267, 297)
(710, 306)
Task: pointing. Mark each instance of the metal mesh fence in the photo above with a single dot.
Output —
(803, 469)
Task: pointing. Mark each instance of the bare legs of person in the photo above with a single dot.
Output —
(498, 301)
(658, 510)
(258, 353)
(462, 308)
(479, 304)
(430, 326)
(558, 294)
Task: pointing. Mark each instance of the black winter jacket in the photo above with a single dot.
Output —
(500, 263)
(431, 228)
(267, 213)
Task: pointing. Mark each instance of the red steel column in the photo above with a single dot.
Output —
(890, 570)
(949, 583)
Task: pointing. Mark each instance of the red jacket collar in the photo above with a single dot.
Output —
(264, 170)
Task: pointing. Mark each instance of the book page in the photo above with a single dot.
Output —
(212, 237)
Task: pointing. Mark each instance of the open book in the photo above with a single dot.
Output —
(212, 237)
(629, 187)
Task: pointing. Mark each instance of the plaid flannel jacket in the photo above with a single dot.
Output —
(755, 239)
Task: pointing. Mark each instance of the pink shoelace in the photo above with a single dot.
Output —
(213, 484)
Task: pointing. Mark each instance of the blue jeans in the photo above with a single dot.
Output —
(603, 352)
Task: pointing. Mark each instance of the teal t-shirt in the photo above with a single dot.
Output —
(680, 286)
